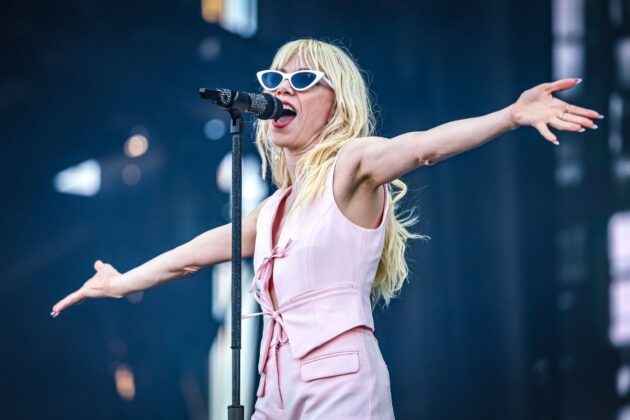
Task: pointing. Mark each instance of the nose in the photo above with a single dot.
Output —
(285, 88)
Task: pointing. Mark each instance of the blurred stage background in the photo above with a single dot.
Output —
(518, 308)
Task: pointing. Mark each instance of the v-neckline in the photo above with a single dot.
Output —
(275, 216)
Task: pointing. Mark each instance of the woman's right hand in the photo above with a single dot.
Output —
(99, 286)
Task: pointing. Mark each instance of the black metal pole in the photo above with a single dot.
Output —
(235, 410)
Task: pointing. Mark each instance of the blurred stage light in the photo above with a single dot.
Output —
(623, 381)
(210, 48)
(619, 262)
(214, 129)
(624, 413)
(619, 245)
(136, 145)
(622, 59)
(568, 18)
(615, 119)
(124, 382)
(568, 42)
(622, 168)
(237, 16)
(82, 179)
(620, 313)
(211, 10)
(568, 61)
(131, 174)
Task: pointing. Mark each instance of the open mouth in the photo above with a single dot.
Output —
(286, 118)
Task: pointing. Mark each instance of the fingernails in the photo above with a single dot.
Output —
(582, 130)
(557, 143)
(594, 127)
(54, 314)
(578, 81)
(600, 117)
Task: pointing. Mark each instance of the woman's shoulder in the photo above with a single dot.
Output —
(357, 200)
(347, 163)
(350, 153)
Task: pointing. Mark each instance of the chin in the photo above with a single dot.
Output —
(280, 139)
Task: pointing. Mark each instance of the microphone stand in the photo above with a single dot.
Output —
(235, 106)
(235, 410)
(262, 106)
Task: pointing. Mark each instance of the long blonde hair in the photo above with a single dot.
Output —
(353, 118)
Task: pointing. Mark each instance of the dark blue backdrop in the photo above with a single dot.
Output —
(473, 333)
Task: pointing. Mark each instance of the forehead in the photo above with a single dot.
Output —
(295, 62)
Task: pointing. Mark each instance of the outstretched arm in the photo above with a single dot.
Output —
(384, 160)
(211, 247)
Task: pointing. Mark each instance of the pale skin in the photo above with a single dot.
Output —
(362, 167)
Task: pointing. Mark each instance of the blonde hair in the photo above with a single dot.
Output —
(352, 118)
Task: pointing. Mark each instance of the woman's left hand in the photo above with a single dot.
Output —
(538, 108)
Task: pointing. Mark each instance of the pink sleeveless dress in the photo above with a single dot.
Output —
(318, 355)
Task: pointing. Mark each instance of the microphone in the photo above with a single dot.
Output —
(261, 105)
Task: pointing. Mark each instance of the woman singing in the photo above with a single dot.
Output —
(329, 244)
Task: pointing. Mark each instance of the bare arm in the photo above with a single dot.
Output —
(384, 160)
(211, 247)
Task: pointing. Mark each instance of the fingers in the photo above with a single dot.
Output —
(557, 113)
(584, 122)
(79, 296)
(565, 125)
(562, 84)
(585, 112)
(560, 125)
(546, 133)
(66, 302)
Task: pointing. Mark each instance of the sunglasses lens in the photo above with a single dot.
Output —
(303, 79)
(271, 79)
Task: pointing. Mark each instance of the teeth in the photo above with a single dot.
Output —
(286, 106)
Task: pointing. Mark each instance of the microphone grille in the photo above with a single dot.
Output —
(260, 105)
(225, 97)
